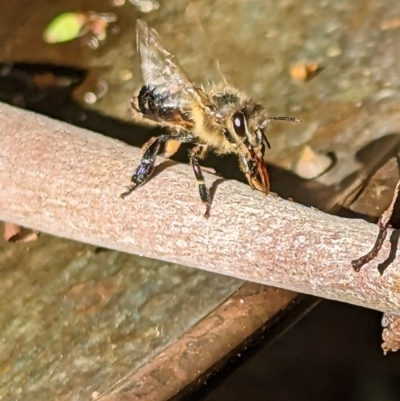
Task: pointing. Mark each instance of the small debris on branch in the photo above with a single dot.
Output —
(384, 225)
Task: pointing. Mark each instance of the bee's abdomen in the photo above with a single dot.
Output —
(160, 106)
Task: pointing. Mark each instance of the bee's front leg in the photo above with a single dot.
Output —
(146, 166)
(250, 172)
(196, 154)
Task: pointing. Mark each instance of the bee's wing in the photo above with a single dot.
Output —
(161, 69)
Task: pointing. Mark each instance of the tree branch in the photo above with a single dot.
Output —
(66, 181)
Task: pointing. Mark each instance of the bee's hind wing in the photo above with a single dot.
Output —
(161, 69)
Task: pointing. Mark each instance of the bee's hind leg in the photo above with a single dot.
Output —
(152, 148)
(196, 154)
(146, 167)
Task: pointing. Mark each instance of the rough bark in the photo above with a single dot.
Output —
(66, 181)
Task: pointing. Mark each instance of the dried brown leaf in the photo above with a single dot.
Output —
(16, 233)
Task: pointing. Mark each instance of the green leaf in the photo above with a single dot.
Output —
(64, 27)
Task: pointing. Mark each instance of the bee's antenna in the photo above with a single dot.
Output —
(265, 123)
(296, 120)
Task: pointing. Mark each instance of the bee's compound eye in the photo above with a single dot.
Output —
(239, 124)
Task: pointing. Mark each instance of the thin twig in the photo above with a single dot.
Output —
(66, 181)
(383, 225)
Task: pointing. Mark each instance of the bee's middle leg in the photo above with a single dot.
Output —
(196, 154)
(146, 167)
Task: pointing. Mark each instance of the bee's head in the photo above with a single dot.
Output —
(250, 138)
(248, 125)
(247, 130)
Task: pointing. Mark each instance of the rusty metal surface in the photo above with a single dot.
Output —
(75, 320)
(202, 346)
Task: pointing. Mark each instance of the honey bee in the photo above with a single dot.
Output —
(218, 118)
